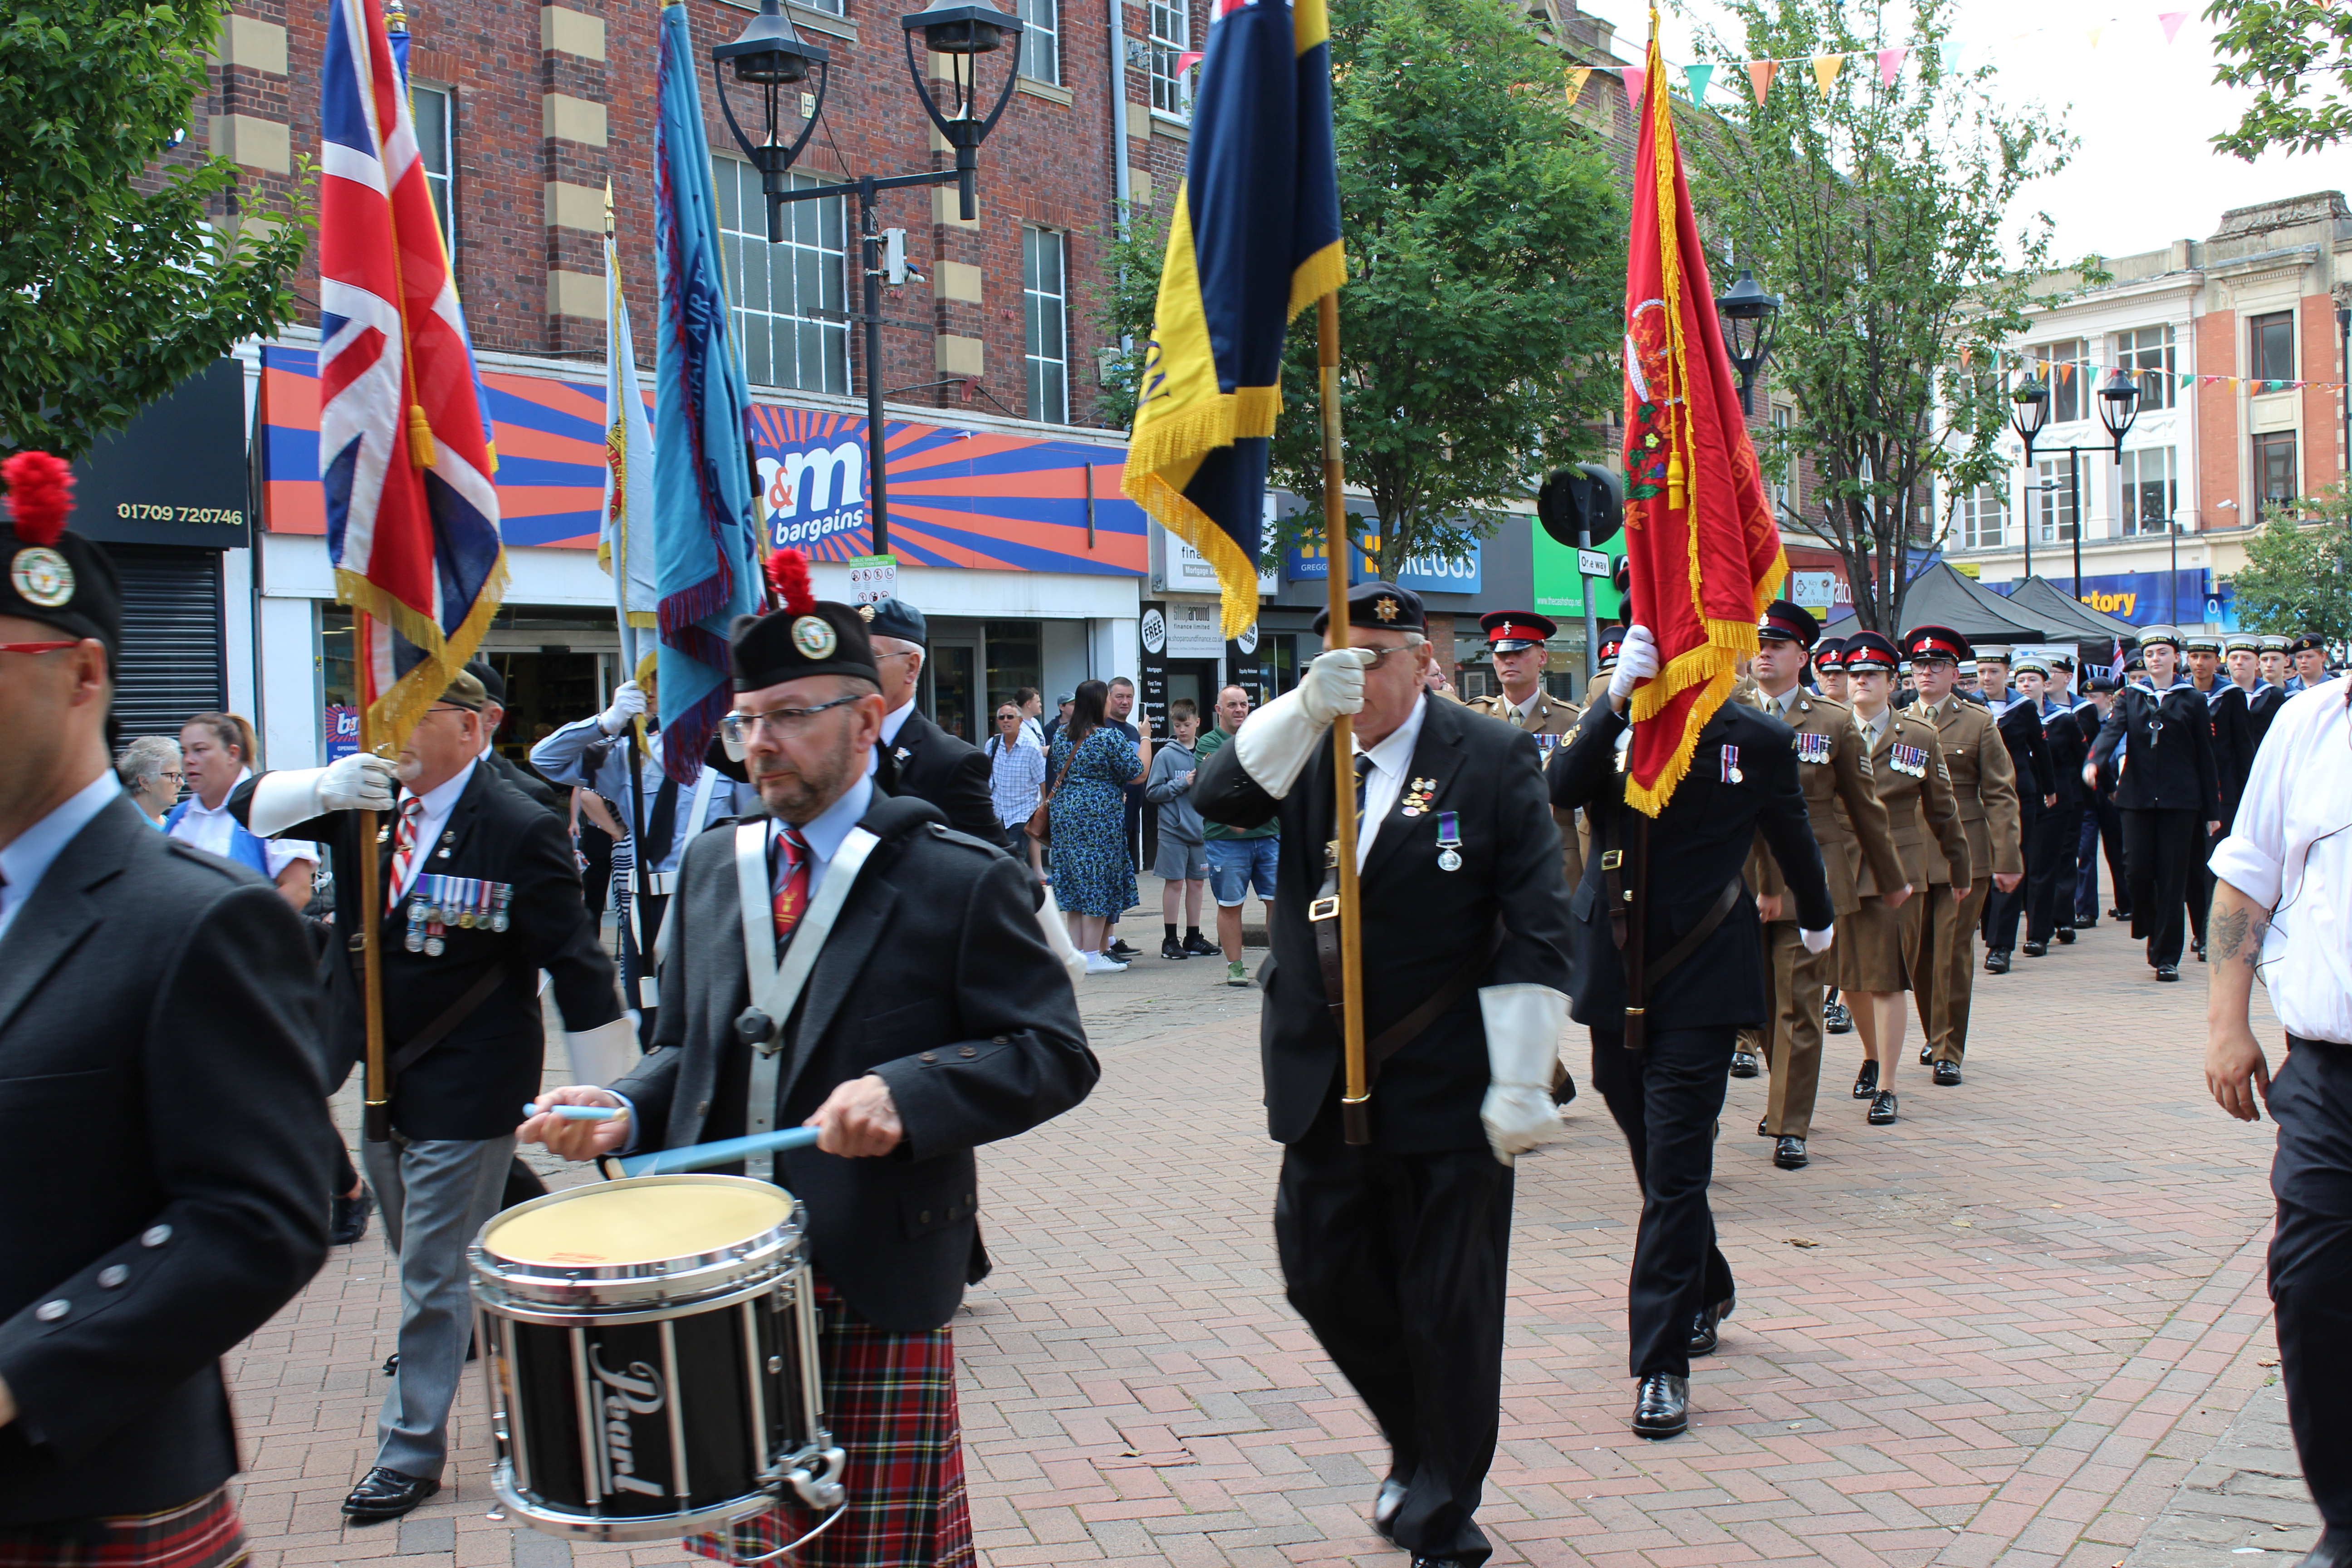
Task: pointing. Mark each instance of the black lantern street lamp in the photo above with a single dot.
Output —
(2118, 406)
(1747, 314)
(2029, 411)
(769, 55)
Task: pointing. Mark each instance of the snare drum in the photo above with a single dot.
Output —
(651, 1351)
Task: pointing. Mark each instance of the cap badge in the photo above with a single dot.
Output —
(865, 612)
(1383, 606)
(815, 635)
(42, 576)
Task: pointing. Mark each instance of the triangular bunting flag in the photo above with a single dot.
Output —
(2096, 33)
(1698, 77)
(1759, 77)
(1952, 50)
(1826, 69)
(2171, 20)
(2065, 371)
(2186, 376)
(1967, 353)
(1637, 83)
(1890, 61)
(1577, 76)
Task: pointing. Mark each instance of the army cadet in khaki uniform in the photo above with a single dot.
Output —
(1984, 786)
(1518, 640)
(1850, 823)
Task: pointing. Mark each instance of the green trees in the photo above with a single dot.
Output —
(1878, 211)
(2298, 578)
(1479, 325)
(2297, 56)
(114, 285)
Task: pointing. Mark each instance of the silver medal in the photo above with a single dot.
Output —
(1738, 777)
(416, 942)
(1447, 860)
(432, 947)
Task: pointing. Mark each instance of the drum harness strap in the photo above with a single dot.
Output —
(775, 987)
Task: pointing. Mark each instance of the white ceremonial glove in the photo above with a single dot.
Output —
(628, 701)
(1637, 660)
(604, 1054)
(1816, 941)
(361, 782)
(1523, 1028)
(1334, 684)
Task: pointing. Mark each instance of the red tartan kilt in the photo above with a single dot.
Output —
(204, 1533)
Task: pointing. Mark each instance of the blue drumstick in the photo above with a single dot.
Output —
(725, 1152)
(575, 1112)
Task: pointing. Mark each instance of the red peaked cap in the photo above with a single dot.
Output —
(1869, 651)
(1935, 642)
(51, 574)
(804, 636)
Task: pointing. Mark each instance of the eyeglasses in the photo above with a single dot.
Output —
(781, 722)
(35, 647)
(899, 653)
(175, 778)
(1008, 718)
(1382, 657)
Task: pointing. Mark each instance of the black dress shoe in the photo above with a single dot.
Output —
(1764, 1127)
(1385, 1503)
(2036, 950)
(1997, 962)
(1865, 1082)
(1704, 1337)
(1836, 1019)
(2118, 914)
(1927, 1054)
(1947, 1073)
(2333, 1551)
(1421, 1561)
(1789, 1153)
(348, 1220)
(1170, 948)
(2065, 935)
(1662, 1405)
(1743, 1064)
(2167, 971)
(386, 1494)
(1881, 1108)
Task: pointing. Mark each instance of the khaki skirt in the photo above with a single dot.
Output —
(1872, 951)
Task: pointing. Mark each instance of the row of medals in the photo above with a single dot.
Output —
(427, 921)
(1416, 801)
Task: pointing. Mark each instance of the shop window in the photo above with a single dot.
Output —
(1041, 41)
(2151, 490)
(435, 111)
(2147, 353)
(1016, 658)
(2274, 467)
(2051, 503)
(1044, 301)
(789, 301)
(2271, 345)
(2064, 365)
(1984, 517)
(1171, 38)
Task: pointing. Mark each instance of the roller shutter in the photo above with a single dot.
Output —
(174, 661)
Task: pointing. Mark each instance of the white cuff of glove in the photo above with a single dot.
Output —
(1274, 742)
(604, 1054)
(1816, 941)
(282, 799)
(1637, 660)
(1523, 1029)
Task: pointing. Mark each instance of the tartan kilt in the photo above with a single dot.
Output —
(204, 1533)
(890, 1402)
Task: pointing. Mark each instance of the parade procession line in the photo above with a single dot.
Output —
(2005, 1331)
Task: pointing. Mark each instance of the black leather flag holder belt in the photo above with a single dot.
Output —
(1629, 924)
(1323, 914)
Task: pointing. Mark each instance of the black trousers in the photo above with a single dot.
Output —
(2311, 1265)
(1667, 1098)
(1397, 1262)
(2161, 849)
(2049, 867)
(2102, 831)
(2200, 884)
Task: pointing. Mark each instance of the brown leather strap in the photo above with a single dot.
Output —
(1725, 902)
(1415, 1023)
(434, 1033)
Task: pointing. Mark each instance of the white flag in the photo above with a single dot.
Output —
(624, 541)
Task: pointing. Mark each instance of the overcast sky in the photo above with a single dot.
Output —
(2145, 172)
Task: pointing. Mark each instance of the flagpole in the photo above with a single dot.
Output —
(376, 1118)
(1355, 1116)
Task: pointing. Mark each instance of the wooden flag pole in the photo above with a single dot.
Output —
(376, 1118)
(1355, 1114)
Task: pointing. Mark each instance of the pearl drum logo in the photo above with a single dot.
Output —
(621, 1397)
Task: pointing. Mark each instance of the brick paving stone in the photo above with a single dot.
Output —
(2016, 1328)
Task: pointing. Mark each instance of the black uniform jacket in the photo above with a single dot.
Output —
(2069, 751)
(928, 764)
(538, 789)
(1696, 844)
(2233, 743)
(166, 1146)
(1421, 923)
(935, 979)
(2028, 753)
(2168, 763)
(2262, 707)
(474, 1083)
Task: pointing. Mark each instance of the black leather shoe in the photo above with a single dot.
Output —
(1200, 946)
(2065, 935)
(1421, 1561)
(1836, 1019)
(1789, 1153)
(1764, 1127)
(1865, 1082)
(2333, 1551)
(2167, 971)
(1927, 1054)
(386, 1494)
(1170, 948)
(1947, 1073)
(1385, 1503)
(2118, 914)
(2035, 950)
(1704, 1337)
(1881, 1108)
(1662, 1405)
(349, 1219)
(1997, 962)
(1743, 1064)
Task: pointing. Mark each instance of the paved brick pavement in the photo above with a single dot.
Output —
(2006, 1330)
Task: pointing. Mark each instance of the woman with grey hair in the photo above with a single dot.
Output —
(149, 771)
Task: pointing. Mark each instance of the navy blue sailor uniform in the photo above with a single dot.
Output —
(2158, 746)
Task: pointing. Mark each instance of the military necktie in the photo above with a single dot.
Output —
(791, 899)
(403, 852)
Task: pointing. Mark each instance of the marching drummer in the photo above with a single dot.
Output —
(921, 1063)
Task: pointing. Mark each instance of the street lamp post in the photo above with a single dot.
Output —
(1747, 314)
(2029, 411)
(769, 55)
(2118, 407)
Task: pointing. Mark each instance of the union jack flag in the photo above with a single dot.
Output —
(404, 451)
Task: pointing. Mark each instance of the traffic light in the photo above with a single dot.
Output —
(1582, 495)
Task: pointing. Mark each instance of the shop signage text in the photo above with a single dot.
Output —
(1309, 562)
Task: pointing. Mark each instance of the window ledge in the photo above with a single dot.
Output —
(1165, 124)
(1045, 90)
(808, 16)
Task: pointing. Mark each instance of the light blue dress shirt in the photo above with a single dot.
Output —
(32, 852)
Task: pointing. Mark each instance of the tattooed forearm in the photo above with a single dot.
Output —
(2238, 934)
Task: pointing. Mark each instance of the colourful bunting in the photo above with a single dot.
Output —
(1890, 61)
(1636, 80)
(2171, 20)
(1759, 76)
(1577, 76)
(2095, 34)
(1698, 77)
(1826, 69)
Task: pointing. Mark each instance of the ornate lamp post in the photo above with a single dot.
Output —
(769, 57)
(1747, 314)
(2029, 410)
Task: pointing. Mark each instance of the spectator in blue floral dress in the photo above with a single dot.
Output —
(1088, 769)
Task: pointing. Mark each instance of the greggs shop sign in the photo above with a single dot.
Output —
(958, 498)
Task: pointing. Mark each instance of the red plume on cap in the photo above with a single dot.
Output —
(788, 576)
(40, 494)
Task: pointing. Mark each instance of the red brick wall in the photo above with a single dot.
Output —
(2320, 357)
(2218, 435)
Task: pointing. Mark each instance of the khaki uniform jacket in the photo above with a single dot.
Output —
(1549, 716)
(1984, 784)
(1920, 812)
(1850, 820)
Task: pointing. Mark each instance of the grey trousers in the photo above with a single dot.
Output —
(434, 1193)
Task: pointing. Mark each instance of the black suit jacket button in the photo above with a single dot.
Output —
(155, 1235)
(968, 1051)
(50, 1312)
(923, 1218)
(1003, 1040)
(930, 1058)
(112, 1275)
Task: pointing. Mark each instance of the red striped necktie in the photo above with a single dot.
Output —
(791, 898)
(403, 852)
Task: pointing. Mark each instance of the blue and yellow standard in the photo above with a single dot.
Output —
(1255, 240)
